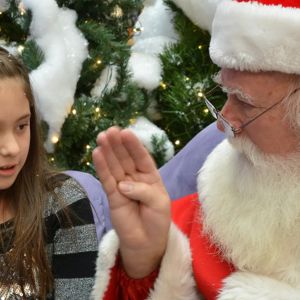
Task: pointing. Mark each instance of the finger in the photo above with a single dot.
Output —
(141, 157)
(112, 161)
(154, 196)
(108, 181)
(121, 153)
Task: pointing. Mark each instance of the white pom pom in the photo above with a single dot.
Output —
(145, 130)
(145, 69)
(156, 20)
(152, 45)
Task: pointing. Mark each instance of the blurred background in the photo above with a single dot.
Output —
(93, 64)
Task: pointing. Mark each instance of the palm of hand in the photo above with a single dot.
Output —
(140, 214)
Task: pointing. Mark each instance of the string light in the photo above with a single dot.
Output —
(74, 112)
(52, 159)
(200, 94)
(88, 147)
(206, 111)
(163, 85)
(54, 139)
(177, 142)
(21, 49)
(97, 109)
(200, 47)
(99, 61)
(21, 8)
(88, 163)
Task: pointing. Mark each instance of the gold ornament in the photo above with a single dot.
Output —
(163, 85)
(132, 121)
(130, 42)
(117, 12)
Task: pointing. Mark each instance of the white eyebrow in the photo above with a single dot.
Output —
(237, 91)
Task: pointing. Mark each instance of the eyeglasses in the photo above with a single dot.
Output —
(231, 131)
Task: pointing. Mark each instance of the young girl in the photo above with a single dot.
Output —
(48, 240)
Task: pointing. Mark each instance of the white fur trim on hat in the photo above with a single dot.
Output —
(255, 37)
(201, 12)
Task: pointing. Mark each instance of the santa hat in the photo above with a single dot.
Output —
(255, 36)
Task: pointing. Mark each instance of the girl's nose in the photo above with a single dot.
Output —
(9, 145)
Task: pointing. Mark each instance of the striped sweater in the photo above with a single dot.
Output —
(72, 251)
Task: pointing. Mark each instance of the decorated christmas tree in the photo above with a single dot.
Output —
(94, 64)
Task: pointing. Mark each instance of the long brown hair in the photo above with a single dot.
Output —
(28, 198)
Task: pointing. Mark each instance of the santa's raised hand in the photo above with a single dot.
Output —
(139, 203)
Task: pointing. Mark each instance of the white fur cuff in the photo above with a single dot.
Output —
(250, 286)
(107, 255)
(175, 280)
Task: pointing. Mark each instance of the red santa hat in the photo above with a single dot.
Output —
(257, 35)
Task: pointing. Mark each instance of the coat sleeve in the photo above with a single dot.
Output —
(171, 283)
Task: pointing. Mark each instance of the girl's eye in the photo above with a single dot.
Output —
(21, 127)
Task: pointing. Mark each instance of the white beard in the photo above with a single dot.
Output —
(251, 209)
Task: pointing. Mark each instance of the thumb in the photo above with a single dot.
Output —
(139, 191)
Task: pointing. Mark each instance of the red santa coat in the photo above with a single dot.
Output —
(200, 261)
(209, 268)
(191, 265)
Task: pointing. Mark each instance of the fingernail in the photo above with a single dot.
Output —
(125, 186)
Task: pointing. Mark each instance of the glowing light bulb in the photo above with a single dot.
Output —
(200, 94)
(21, 49)
(54, 139)
(163, 85)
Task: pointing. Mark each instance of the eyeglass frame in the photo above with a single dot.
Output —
(231, 130)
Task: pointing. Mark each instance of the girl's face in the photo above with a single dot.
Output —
(14, 130)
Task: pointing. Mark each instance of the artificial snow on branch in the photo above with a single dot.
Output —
(154, 31)
(146, 131)
(65, 49)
